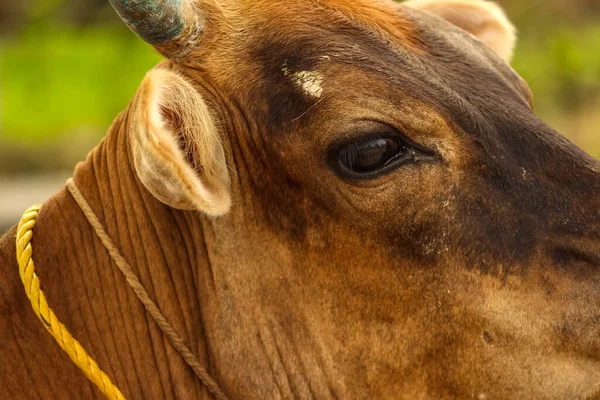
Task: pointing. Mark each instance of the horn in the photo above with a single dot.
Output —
(159, 22)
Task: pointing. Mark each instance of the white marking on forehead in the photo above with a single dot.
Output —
(311, 82)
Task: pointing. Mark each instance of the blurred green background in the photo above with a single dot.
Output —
(68, 67)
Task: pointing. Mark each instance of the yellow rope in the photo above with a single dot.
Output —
(38, 301)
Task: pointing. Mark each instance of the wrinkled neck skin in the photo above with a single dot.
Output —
(90, 295)
(271, 317)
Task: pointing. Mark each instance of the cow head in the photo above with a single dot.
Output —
(381, 203)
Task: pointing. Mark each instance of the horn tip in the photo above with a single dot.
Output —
(155, 21)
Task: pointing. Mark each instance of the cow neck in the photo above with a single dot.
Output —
(90, 295)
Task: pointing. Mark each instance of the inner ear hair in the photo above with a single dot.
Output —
(177, 149)
(485, 20)
(179, 110)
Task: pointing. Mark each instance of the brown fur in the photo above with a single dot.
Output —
(475, 275)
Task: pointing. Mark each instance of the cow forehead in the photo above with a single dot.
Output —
(425, 55)
(365, 33)
(318, 20)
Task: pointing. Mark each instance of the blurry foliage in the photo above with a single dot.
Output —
(67, 68)
(60, 81)
(559, 52)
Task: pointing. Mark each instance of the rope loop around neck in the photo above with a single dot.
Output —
(61, 334)
(42, 310)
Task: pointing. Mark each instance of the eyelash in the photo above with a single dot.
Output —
(352, 152)
(372, 156)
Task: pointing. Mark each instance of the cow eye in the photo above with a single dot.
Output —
(371, 154)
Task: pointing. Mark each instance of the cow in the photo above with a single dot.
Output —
(326, 199)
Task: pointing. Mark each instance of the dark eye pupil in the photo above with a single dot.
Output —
(370, 155)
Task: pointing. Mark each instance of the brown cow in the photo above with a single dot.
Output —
(328, 199)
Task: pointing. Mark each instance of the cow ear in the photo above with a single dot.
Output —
(483, 19)
(177, 152)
